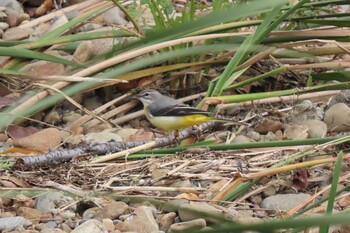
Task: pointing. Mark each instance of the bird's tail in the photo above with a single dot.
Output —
(223, 120)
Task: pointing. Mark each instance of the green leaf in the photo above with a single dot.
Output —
(25, 53)
(336, 174)
(341, 76)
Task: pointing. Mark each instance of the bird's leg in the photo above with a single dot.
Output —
(197, 132)
(176, 137)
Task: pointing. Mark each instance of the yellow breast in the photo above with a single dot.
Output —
(175, 122)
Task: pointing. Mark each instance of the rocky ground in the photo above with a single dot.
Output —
(169, 193)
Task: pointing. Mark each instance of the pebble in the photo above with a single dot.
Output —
(126, 133)
(12, 7)
(253, 135)
(268, 137)
(3, 26)
(102, 46)
(114, 16)
(16, 33)
(269, 191)
(188, 225)
(51, 230)
(29, 213)
(182, 184)
(51, 224)
(43, 68)
(101, 137)
(51, 201)
(83, 52)
(316, 128)
(52, 117)
(13, 222)
(338, 122)
(305, 111)
(65, 227)
(268, 125)
(296, 132)
(67, 214)
(284, 202)
(345, 201)
(113, 210)
(91, 226)
(90, 213)
(71, 116)
(59, 21)
(108, 223)
(167, 220)
(241, 139)
(141, 135)
(142, 221)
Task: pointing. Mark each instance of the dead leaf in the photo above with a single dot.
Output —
(16, 131)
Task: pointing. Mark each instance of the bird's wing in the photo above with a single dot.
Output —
(178, 110)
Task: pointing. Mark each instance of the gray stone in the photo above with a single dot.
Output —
(142, 221)
(241, 139)
(114, 16)
(167, 220)
(12, 7)
(296, 132)
(337, 118)
(113, 210)
(316, 128)
(91, 226)
(84, 52)
(16, 33)
(284, 202)
(90, 213)
(48, 202)
(189, 225)
(11, 223)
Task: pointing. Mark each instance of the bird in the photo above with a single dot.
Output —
(170, 114)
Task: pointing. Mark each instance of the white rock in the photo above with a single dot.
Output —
(91, 226)
(284, 202)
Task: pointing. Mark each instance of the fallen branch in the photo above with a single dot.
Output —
(53, 158)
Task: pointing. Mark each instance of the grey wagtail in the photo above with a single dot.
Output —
(170, 114)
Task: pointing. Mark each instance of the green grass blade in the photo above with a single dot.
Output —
(242, 52)
(336, 174)
(12, 72)
(281, 224)
(75, 37)
(25, 53)
(341, 76)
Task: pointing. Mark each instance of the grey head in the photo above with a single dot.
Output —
(153, 99)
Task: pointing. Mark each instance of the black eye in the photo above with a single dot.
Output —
(146, 95)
